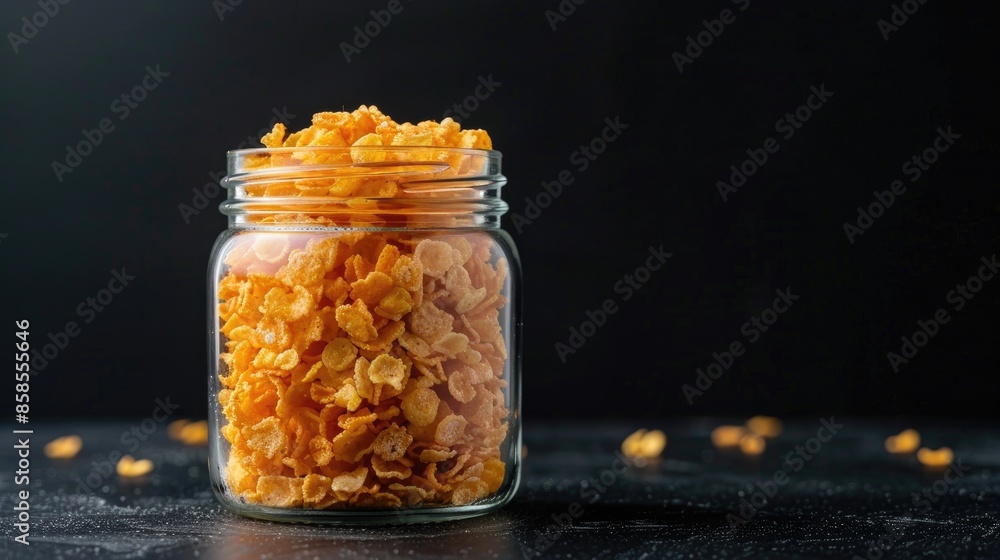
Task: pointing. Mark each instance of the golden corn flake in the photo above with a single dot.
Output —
(302, 269)
(349, 483)
(387, 370)
(322, 393)
(431, 455)
(274, 138)
(935, 458)
(460, 385)
(752, 444)
(421, 406)
(288, 306)
(469, 491)
(128, 467)
(392, 442)
(430, 323)
(194, 433)
(286, 360)
(387, 335)
(339, 354)
(357, 321)
(407, 273)
(450, 430)
(493, 474)
(728, 436)
(65, 447)
(451, 344)
(764, 426)
(435, 257)
(386, 470)
(368, 156)
(336, 290)
(315, 488)
(347, 397)
(174, 428)
(415, 345)
(280, 491)
(271, 333)
(906, 441)
(270, 249)
(321, 450)
(396, 303)
(387, 259)
(375, 286)
(266, 437)
(644, 444)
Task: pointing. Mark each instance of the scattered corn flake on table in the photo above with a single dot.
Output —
(578, 499)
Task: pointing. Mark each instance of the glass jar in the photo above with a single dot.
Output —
(364, 327)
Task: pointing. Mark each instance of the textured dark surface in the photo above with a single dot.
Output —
(849, 493)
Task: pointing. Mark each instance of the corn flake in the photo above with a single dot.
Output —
(935, 458)
(420, 407)
(280, 491)
(906, 441)
(450, 430)
(429, 322)
(339, 354)
(357, 321)
(266, 437)
(65, 447)
(391, 443)
(128, 467)
(349, 483)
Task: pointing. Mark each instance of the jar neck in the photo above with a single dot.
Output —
(374, 188)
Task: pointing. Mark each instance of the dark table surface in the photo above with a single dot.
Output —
(847, 500)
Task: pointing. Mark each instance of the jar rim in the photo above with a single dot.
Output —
(348, 149)
(383, 186)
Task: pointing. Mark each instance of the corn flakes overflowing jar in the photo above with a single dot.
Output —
(363, 326)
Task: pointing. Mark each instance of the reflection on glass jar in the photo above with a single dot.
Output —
(364, 361)
(490, 536)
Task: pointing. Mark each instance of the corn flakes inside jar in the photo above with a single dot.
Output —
(364, 329)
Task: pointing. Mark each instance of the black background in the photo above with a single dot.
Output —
(654, 185)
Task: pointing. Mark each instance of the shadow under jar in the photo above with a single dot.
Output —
(364, 336)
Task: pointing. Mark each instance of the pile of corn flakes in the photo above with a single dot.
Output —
(364, 368)
(360, 140)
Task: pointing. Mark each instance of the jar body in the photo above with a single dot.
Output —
(364, 375)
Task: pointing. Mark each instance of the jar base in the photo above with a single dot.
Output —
(362, 517)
